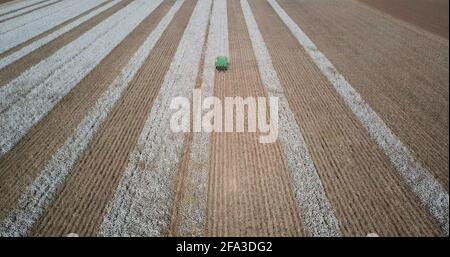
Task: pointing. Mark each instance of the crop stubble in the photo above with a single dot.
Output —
(401, 73)
(351, 166)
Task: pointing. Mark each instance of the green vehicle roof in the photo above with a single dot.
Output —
(222, 63)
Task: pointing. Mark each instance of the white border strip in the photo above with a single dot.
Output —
(424, 185)
(315, 209)
(43, 189)
(37, 44)
(23, 109)
(194, 203)
(141, 205)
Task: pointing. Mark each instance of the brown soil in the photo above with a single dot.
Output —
(366, 191)
(431, 15)
(16, 68)
(250, 191)
(80, 204)
(400, 73)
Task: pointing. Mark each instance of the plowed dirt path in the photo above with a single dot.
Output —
(249, 188)
(401, 73)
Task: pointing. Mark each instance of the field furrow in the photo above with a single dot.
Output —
(402, 74)
(349, 163)
(250, 192)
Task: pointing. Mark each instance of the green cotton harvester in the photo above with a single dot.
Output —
(222, 63)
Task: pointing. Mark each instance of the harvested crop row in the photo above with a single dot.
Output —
(190, 211)
(95, 177)
(351, 166)
(317, 215)
(401, 73)
(250, 192)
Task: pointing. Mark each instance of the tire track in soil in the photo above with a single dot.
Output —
(22, 164)
(80, 204)
(401, 74)
(250, 191)
(367, 192)
(16, 68)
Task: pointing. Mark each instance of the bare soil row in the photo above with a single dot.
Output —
(250, 191)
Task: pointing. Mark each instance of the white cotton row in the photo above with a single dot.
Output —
(17, 31)
(33, 94)
(44, 40)
(42, 190)
(141, 205)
